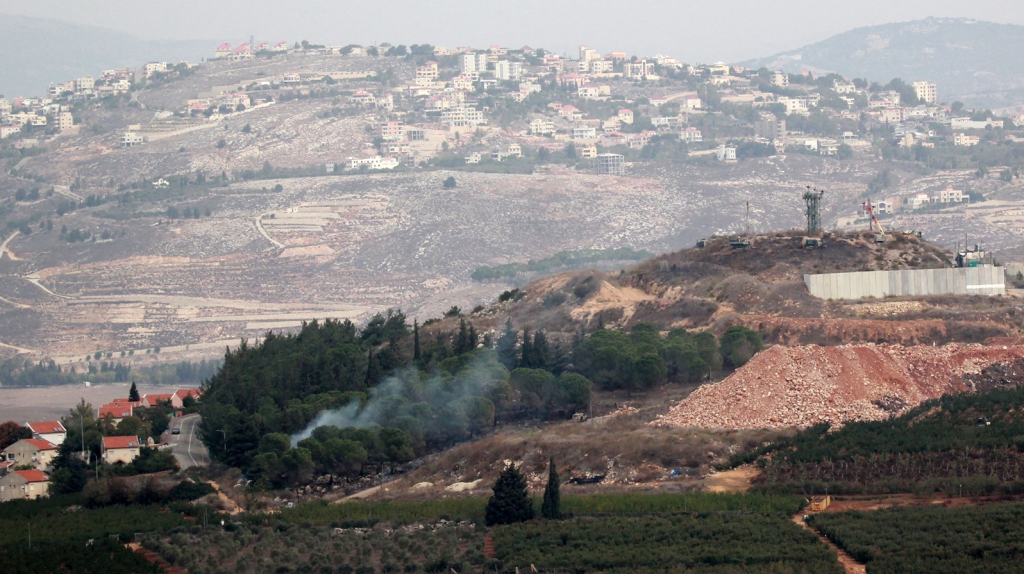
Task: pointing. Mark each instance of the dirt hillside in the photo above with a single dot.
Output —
(805, 385)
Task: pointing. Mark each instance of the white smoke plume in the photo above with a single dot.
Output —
(478, 377)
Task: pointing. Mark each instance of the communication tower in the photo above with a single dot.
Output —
(813, 199)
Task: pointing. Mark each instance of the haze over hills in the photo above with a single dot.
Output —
(978, 63)
(37, 51)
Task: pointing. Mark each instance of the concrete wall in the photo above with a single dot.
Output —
(856, 285)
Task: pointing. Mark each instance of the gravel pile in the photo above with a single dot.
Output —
(806, 385)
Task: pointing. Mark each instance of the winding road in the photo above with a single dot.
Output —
(187, 448)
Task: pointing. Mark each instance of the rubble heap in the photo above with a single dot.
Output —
(806, 385)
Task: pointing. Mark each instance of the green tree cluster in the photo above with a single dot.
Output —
(642, 358)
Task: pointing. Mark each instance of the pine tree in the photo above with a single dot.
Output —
(133, 393)
(415, 341)
(552, 504)
(69, 471)
(506, 347)
(510, 503)
(373, 371)
(473, 338)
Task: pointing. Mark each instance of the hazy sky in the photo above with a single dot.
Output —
(693, 31)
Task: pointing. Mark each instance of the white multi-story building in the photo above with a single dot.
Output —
(542, 127)
(155, 67)
(726, 153)
(427, 72)
(131, 139)
(843, 87)
(584, 133)
(925, 92)
(84, 84)
(779, 78)
(505, 70)
(586, 54)
(948, 195)
(391, 131)
(460, 116)
(65, 121)
(691, 135)
(371, 163)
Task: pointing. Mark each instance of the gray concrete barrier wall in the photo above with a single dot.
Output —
(988, 280)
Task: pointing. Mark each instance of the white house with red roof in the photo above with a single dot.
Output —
(49, 430)
(31, 452)
(117, 410)
(281, 46)
(626, 115)
(150, 400)
(24, 484)
(121, 449)
(223, 50)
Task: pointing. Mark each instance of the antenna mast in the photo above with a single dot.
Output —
(747, 220)
(813, 199)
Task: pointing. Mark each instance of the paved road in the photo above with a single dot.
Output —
(187, 448)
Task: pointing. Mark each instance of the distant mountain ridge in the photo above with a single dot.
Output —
(978, 63)
(36, 51)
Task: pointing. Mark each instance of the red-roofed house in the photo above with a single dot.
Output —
(49, 430)
(31, 452)
(150, 400)
(24, 484)
(223, 50)
(122, 449)
(4, 467)
(183, 393)
(263, 46)
(117, 410)
(280, 46)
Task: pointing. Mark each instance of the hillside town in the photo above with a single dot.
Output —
(481, 108)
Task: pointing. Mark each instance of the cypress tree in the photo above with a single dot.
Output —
(506, 347)
(462, 341)
(415, 341)
(133, 393)
(541, 352)
(526, 351)
(473, 338)
(551, 507)
(510, 503)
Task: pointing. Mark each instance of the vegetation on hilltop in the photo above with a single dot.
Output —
(564, 259)
(334, 399)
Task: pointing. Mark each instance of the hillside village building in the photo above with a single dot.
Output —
(31, 452)
(24, 485)
(609, 163)
(121, 449)
(925, 92)
(49, 430)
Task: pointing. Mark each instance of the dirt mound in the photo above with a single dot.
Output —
(806, 385)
